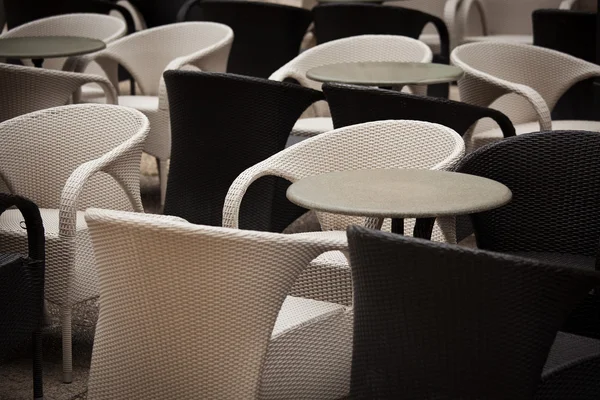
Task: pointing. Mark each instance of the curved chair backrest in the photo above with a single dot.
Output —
(146, 54)
(351, 105)
(439, 321)
(26, 89)
(337, 21)
(381, 144)
(550, 73)
(352, 49)
(573, 33)
(189, 295)
(94, 26)
(555, 181)
(222, 124)
(41, 150)
(266, 35)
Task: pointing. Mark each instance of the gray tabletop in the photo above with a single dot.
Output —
(398, 193)
(36, 47)
(385, 73)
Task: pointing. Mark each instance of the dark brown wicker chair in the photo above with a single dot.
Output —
(434, 321)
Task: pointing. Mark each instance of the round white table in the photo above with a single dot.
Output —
(399, 194)
(37, 48)
(385, 73)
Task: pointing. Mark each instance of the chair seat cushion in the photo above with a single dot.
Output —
(13, 238)
(309, 127)
(310, 352)
(522, 39)
(480, 139)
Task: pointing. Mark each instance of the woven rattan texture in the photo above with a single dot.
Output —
(186, 45)
(555, 184)
(383, 144)
(574, 33)
(25, 89)
(353, 49)
(439, 321)
(352, 105)
(204, 321)
(101, 167)
(94, 26)
(223, 124)
(524, 82)
(266, 35)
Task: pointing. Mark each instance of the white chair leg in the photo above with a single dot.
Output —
(163, 175)
(67, 349)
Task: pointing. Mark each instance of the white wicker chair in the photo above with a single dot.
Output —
(94, 26)
(26, 89)
(186, 312)
(66, 159)
(522, 81)
(146, 55)
(353, 49)
(500, 20)
(381, 144)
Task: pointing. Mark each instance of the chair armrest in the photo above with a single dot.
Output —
(490, 88)
(107, 6)
(462, 21)
(237, 190)
(184, 10)
(444, 33)
(33, 222)
(107, 60)
(111, 163)
(109, 90)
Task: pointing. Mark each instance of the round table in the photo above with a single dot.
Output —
(37, 48)
(385, 73)
(399, 194)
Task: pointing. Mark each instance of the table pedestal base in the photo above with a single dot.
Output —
(423, 227)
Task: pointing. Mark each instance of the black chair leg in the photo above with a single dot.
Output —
(38, 385)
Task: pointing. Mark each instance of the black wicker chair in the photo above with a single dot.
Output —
(266, 35)
(434, 321)
(573, 33)
(22, 289)
(352, 105)
(554, 214)
(222, 124)
(158, 12)
(337, 21)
